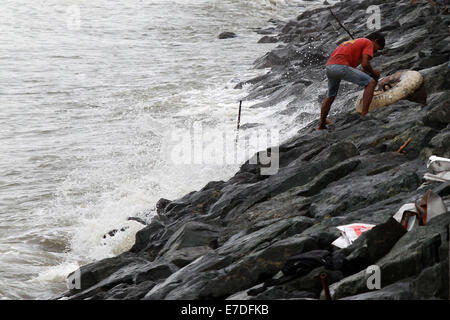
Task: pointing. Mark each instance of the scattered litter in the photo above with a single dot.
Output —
(411, 215)
(438, 164)
(407, 216)
(350, 233)
(440, 168)
(440, 177)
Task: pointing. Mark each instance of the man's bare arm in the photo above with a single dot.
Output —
(365, 63)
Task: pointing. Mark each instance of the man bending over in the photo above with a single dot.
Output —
(342, 66)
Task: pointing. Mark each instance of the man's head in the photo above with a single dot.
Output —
(378, 41)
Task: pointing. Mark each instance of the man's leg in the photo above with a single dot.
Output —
(333, 73)
(326, 105)
(364, 80)
(367, 96)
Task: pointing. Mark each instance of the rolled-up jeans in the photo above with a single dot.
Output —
(338, 72)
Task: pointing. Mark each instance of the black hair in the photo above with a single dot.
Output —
(378, 37)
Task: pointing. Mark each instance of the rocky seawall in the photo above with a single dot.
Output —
(231, 239)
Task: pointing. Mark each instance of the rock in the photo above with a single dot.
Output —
(432, 283)
(443, 189)
(243, 274)
(161, 205)
(414, 252)
(438, 117)
(372, 245)
(267, 39)
(192, 234)
(100, 276)
(246, 126)
(184, 256)
(436, 78)
(312, 283)
(137, 219)
(227, 35)
(397, 291)
(441, 144)
(323, 179)
(152, 232)
(154, 272)
(127, 292)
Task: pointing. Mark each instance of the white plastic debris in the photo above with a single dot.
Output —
(440, 168)
(439, 177)
(435, 206)
(438, 164)
(411, 215)
(410, 220)
(350, 233)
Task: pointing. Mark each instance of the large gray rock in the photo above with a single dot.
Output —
(414, 252)
(220, 283)
(372, 245)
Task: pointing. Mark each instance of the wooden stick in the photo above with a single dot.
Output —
(238, 123)
(239, 114)
(400, 150)
(342, 26)
(326, 290)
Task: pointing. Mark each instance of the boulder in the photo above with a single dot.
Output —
(227, 35)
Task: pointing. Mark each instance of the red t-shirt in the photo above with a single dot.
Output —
(350, 52)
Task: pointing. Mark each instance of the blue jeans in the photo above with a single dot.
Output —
(338, 72)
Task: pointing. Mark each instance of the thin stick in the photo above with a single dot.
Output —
(326, 290)
(239, 115)
(238, 123)
(342, 26)
(400, 150)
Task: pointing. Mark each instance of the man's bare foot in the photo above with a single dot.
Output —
(321, 128)
(328, 121)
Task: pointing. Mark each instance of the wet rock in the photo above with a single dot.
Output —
(414, 252)
(243, 274)
(372, 245)
(441, 144)
(96, 277)
(192, 234)
(127, 292)
(227, 35)
(249, 126)
(267, 39)
(153, 232)
(438, 117)
(312, 282)
(154, 272)
(397, 291)
(436, 78)
(443, 189)
(161, 205)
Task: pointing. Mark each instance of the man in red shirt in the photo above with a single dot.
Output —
(342, 66)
